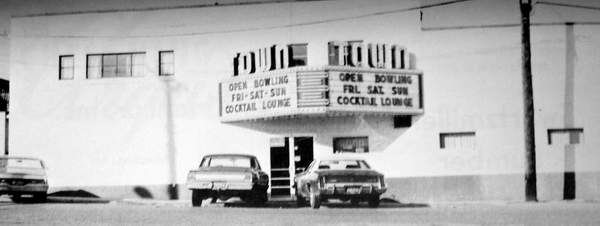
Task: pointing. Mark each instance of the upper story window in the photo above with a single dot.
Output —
(166, 63)
(66, 68)
(115, 65)
(298, 56)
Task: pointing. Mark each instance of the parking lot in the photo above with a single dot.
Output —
(151, 212)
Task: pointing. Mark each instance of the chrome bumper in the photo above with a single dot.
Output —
(352, 189)
(220, 185)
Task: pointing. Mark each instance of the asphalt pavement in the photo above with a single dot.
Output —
(180, 212)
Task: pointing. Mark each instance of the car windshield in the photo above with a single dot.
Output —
(231, 161)
(343, 164)
(20, 163)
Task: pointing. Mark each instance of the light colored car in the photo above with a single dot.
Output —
(21, 176)
(224, 176)
(337, 177)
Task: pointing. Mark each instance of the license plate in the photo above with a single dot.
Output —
(353, 191)
(220, 186)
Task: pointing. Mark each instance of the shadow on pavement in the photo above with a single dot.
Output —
(73, 193)
(290, 204)
(74, 196)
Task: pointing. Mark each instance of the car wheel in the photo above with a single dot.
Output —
(354, 202)
(41, 197)
(315, 200)
(261, 197)
(300, 201)
(197, 197)
(16, 198)
(374, 201)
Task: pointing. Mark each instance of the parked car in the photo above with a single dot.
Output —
(224, 176)
(339, 178)
(21, 176)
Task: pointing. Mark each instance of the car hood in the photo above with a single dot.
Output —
(351, 172)
(220, 169)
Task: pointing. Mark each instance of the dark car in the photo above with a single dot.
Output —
(23, 176)
(339, 178)
(224, 176)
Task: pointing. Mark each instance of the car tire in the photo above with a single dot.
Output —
(197, 197)
(300, 201)
(374, 201)
(315, 200)
(41, 197)
(354, 202)
(16, 198)
(257, 195)
(261, 197)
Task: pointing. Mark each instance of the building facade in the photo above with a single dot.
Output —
(429, 94)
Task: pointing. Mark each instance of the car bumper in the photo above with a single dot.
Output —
(350, 190)
(213, 185)
(28, 188)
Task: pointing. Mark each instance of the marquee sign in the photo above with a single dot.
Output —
(364, 91)
(360, 78)
(258, 96)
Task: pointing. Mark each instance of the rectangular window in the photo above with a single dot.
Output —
(166, 63)
(66, 67)
(298, 56)
(351, 144)
(334, 56)
(457, 140)
(565, 136)
(115, 65)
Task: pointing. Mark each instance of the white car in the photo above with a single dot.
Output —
(339, 178)
(20, 176)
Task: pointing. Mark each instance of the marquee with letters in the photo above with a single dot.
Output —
(359, 79)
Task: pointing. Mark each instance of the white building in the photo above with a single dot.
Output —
(121, 99)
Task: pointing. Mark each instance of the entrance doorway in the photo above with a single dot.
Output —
(289, 156)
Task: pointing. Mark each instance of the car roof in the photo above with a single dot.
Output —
(231, 155)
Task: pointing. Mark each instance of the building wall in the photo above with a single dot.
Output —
(121, 132)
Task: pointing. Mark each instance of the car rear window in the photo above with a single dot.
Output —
(231, 161)
(20, 163)
(343, 164)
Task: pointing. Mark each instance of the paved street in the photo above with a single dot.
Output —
(180, 213)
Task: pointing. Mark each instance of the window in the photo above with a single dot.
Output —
(351, 144)
(66, 67)
(115, 65)
(402, 121)
(298, 56)
(343, 164)
(565, 136)
(457, 140)
(166, 63)
(334, 54)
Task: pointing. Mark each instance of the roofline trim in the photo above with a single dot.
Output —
(205, 5)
